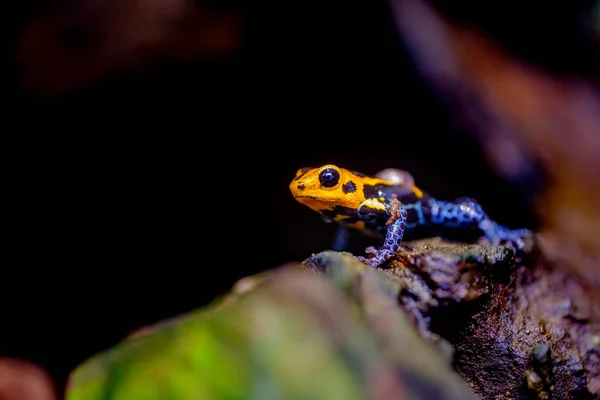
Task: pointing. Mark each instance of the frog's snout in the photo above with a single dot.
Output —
(297, 187)
(299, 184)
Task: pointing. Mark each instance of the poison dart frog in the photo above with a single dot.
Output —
(389, 205)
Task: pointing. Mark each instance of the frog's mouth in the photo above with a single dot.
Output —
(307, 200)
(313, 202)
(313, 199)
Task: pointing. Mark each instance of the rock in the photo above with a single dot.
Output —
(540, 309)
(331, 327)
(520, 328)
(435, 275)
(287, 333)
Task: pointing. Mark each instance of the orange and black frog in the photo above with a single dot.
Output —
(389, 205)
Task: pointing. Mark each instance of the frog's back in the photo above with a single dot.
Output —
(407, 194)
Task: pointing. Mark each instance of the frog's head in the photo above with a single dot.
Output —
(326, 187)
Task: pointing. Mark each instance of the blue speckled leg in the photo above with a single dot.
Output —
(460, 213)
(393, 237)
(467, 213)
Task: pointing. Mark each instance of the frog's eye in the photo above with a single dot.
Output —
(329, 177)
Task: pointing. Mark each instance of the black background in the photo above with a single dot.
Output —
(147, 194)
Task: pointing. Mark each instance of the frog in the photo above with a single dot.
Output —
(389, 206)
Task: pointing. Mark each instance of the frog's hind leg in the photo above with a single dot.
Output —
(462, 213)
(497, 234)
(466, 214)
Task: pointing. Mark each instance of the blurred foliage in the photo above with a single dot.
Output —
(22, 380)
(67, 45)
(529, 119)
(596, 18)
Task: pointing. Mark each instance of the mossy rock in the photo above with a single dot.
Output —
(288, 333)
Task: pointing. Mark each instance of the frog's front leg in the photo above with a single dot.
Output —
(342, 236)
(395, 231)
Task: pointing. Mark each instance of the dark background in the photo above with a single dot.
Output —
(146, 194)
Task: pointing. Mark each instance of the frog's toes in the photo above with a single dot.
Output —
(371, 250)
(372, 262)
(502, 235)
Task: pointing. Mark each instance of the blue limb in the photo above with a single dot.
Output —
(393, 237)
(340, 241)
(465, 213)
(460, 213)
